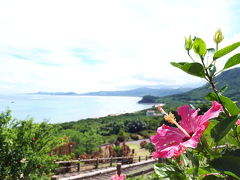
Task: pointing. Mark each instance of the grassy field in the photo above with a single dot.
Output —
(138, 150)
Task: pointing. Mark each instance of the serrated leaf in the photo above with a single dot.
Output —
(226, 50)
(199, 47)
(227, 164)
(195, 69)
(232, 61)
(222, 128)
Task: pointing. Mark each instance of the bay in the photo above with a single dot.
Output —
(58, 109)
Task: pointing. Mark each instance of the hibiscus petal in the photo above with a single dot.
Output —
(194, 140)
(188, 118)
(211, 113)
(167, 141)
(174, 150)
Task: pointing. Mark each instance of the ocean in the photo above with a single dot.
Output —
(58, 109)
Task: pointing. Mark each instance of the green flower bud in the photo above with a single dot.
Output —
(218, 37)
(188, 43)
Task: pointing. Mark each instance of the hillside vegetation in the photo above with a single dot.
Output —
(230, 78)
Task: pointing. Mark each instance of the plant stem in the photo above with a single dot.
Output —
(210, 81)
(190, 56)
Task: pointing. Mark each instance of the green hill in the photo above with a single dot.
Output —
(230, 78)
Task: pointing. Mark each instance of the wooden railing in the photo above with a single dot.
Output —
(90, 164)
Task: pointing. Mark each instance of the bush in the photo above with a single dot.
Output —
(145, 134)
(135, 125)
(134, 136)
(26, 147)
(143, 144)
(150, 147)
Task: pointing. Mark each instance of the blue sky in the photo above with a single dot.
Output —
(82, 46)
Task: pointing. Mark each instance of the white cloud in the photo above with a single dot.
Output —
(123, 43)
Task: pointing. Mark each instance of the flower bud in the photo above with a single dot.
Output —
(188, 43)
(218, 37)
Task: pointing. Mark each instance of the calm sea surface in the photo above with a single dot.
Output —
(57, 109)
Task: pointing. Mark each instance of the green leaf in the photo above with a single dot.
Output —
(199, 47)
(226, 50)
(222, 128)
(163, 171)
(224, 88)
(211, 177)
(227, 164)
(188, 43)
(195, 69)
(232, 61)
(202, 171)
(228, 103)
(211, 97)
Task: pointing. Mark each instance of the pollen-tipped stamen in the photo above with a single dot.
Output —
(171, 119)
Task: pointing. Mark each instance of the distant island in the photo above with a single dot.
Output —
(139, 92)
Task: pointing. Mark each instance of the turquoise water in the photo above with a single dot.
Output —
(57, 109)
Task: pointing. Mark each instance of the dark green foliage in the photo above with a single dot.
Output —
(196, 96)
(148, 99)
(135, 125)
(150, 147)
(134, 136)
(26, 147)
(87, 142)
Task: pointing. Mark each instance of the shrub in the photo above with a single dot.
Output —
(135, 125)
(25, 148)
(143, 144)
(134, 136)
(150, 147)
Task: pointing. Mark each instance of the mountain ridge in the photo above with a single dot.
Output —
(230, 78)
(139, 92)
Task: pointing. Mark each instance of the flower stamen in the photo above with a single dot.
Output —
(171, 119)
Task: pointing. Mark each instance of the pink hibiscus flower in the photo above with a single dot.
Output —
(171, 141)
(116, 177)
(238, 122)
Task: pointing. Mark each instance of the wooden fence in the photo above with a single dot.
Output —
(90, 164)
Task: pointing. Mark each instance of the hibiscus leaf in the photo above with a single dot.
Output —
(163, 171)
(202, 171)
(199, 47)
(195, 69)
(195, 162)
(232, 61)
(226, 50)
(223, 127)
(211, 97)
(211, 177)
(228, 165)
(228, 103)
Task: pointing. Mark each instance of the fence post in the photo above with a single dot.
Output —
(78, 165)
(111, 161)
(139, 158)
(97, 162)
(119, 168)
